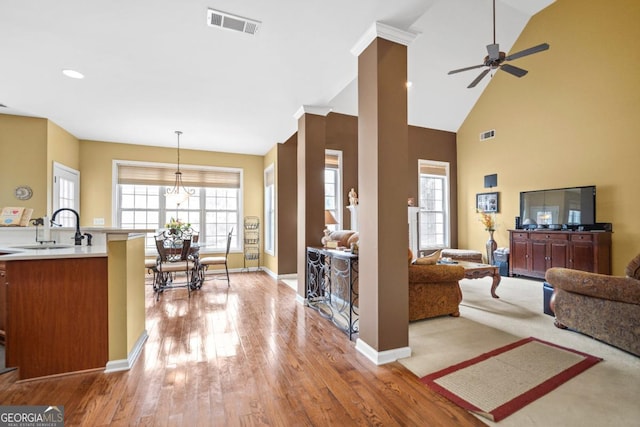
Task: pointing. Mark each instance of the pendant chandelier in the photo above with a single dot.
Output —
(179, 192)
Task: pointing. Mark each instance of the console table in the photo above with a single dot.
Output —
(332, 286)
(533, 252)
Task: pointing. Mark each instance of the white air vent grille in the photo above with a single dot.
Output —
(216, 18)
(487, 135)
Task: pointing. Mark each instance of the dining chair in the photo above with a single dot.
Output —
(207, 262)
(174, 256)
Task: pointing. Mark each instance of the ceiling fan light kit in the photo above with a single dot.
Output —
(495, 59)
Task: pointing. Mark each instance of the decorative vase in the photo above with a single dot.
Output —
(492, 245)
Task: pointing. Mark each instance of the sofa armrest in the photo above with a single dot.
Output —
(613, 288)
(342, 237)
(435, 273)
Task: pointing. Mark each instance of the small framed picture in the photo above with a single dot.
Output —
(488, 202)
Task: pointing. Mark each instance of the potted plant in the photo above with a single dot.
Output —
(176, 226)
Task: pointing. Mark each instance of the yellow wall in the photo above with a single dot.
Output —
(64, 148)
(126, 296)
(23, 161)
(271, 158)
(572, 121)
(96, 159)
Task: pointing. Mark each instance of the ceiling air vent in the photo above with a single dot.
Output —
(216, 18)
(487, 135)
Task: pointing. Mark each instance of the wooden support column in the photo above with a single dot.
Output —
(383, 177)
(310, 162)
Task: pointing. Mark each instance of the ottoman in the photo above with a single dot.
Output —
(462, 255)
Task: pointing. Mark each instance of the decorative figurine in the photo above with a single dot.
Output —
(326, 238)
(353, 197)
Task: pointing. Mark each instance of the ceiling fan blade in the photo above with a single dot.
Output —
(531, 50)
(518, 72)
(477, 80)
(473, 67)
(494, 51)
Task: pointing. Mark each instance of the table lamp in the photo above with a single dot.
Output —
(329, 219)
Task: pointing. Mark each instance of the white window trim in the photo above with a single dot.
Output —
(59, 168)
(447, 195)
(339, 206)
(115, 201)
(272, 252)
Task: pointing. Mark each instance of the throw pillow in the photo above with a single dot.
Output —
(633, 269)
(410, 256)
(430, 259)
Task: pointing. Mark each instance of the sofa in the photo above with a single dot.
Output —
(344, 238)
(604, 307)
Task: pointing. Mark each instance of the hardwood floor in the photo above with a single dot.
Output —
(241, 356)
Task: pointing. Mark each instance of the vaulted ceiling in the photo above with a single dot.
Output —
(153, 67)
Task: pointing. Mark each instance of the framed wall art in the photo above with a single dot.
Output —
(488, 202)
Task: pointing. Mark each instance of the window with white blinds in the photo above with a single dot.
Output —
(434, 221)
(213, 210)
(332, 186)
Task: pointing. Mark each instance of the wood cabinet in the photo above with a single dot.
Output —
(57, 315)
(532, 253)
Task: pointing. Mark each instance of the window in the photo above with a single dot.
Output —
(332, 186)
(213, 210)
(574, 217)
(269, 211)
(66, 193)
(434, 205)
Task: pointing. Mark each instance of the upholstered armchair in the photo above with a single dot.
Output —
(434, 290)
(604, 307)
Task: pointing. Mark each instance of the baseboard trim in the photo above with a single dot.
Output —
(126, 364)
(269, 272)
(382, 357)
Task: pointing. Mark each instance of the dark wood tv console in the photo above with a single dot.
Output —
(532, 252)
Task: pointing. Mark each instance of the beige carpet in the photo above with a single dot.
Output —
(605, 395)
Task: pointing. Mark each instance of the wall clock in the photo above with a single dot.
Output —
(23, 192)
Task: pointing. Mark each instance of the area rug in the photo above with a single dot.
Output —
(498, 383)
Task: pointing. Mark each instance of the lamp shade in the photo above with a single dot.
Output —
(329, 218)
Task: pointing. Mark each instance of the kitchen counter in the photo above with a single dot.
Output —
(23, 252)
(20, 248)
(83, 304)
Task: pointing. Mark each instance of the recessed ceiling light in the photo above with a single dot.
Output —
(73, 74)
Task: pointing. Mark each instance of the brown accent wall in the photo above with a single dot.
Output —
(310, 173)
(287, 199)
(438, 145)
(342, 134)
(383, 176)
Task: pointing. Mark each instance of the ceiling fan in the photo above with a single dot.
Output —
(495, 58)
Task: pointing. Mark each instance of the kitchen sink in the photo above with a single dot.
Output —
(45, 246)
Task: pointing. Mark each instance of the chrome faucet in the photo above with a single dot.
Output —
(78, 236)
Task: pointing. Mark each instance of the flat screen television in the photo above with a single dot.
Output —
(558, 207)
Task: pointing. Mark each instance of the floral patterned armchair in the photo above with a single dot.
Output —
(604, 307)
